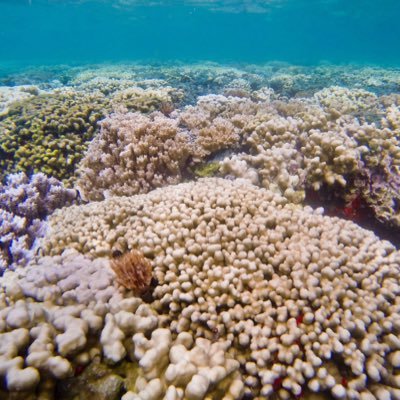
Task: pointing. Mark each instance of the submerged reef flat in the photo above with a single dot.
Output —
(200, 232)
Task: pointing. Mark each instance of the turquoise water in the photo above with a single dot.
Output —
(296, 31)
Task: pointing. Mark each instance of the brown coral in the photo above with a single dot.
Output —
(133, 271)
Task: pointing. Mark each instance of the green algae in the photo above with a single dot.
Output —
(207, 170)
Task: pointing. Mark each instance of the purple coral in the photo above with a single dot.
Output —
(24, 204)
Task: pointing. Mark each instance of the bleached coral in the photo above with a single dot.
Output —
(287, 145)
(184, 368)
(65, 311)
(341, 100)
(379, 177)
(9, 95)
(330, 156)
(133, 153)
(307, 302)
(277, 169)
(146, 100)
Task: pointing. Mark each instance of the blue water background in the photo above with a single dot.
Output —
(296, 31)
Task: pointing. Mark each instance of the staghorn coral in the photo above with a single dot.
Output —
(133, 271)
(49, 133)
(307, 303)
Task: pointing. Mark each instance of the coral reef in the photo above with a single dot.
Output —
(24, 204)
(146, 100)
(77, 319)
(49, 133)
(339, 100)
(307, 303)
(216, 288)
(212, 123)
(283, 145)
(9, 95)
(52, 309)
(133, 153)
(184, 369)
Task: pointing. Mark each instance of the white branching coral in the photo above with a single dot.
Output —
(307, 303)
(185, 368)
(61, 313)
(341, 100)
(132, 154)
(146, 100)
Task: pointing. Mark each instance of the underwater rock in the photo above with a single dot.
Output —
(97, 381)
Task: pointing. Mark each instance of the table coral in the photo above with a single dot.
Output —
(307, 303)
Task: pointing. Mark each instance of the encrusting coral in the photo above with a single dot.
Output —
(305, 303)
